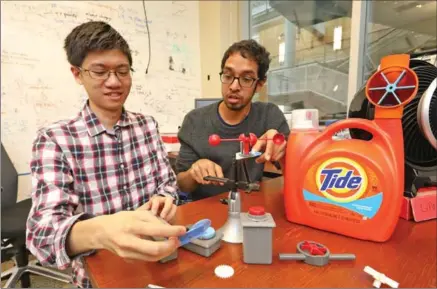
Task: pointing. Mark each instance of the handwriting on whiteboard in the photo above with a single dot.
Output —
(39, 89)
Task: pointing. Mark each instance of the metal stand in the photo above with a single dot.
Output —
(233, 230)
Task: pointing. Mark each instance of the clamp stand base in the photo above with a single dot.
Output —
(233, 229)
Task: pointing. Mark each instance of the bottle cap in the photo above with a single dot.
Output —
(257, 211)
(305, 119)
(208, 235)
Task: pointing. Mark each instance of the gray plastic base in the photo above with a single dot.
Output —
(205, 247)
(169, 258)
(257, 239)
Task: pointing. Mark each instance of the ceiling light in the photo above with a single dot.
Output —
(337, 38)
(281, 56)
(419, 6)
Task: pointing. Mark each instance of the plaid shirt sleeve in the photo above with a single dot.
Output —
(167, 184)
(53, 204)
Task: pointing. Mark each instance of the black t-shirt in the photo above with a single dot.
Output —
(202, 122)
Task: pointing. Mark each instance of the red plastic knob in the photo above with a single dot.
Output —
(257, 211)
(243, 138)
(278, 139)
(313, 249)
(214, 139)
(253, 139)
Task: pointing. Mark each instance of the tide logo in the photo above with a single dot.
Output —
(341, 180)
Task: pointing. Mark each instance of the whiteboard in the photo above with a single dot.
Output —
(37, 87)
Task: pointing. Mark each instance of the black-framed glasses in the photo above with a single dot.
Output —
(243, 81)
(98, 74)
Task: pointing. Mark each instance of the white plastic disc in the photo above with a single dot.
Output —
(224, 271)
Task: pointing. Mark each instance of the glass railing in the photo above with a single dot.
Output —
(394, 42)
(329, 83)
(324, 81)
(259, 7)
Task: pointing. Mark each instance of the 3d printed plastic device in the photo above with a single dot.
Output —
(207, 244)
(232, 230)
(315, 254)
(257, 236)
(380, 278)
(195, 231)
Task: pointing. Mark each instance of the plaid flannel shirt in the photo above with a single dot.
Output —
(81, 170)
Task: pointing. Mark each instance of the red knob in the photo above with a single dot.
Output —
(253, 139)
(242, 138)
(214, 139)
(313, 248)
(257, 211)
(278, 139)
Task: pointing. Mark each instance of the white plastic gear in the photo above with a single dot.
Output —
(224, 271)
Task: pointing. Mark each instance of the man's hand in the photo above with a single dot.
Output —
(162, 205)
(272, 152)
(203, 168)
(124, 233)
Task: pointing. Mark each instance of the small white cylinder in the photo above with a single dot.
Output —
(391, 283)
(380, 278)
(305, 119)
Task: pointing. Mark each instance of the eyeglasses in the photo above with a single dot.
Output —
(244, 81)
(121, 73)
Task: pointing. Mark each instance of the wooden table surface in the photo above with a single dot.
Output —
(409, 257)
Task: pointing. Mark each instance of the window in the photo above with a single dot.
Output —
(309, 46)
(309, 42)
(398, 27)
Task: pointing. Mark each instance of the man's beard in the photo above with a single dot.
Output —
(237, 106)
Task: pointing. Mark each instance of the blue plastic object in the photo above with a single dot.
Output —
(330, 121)
(209, 234)
(195, 231)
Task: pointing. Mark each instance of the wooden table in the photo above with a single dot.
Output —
(409, 257)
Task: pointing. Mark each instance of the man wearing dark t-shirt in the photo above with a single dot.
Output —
(243, 73)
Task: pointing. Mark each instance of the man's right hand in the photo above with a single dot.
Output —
(203, 168)
(124, 233)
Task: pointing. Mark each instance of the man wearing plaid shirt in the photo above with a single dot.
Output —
(101, 179)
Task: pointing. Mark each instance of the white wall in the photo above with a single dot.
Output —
(219, 28)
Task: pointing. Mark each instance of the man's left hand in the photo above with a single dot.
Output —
(162, 205)
(272, 152)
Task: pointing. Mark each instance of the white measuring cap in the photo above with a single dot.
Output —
(305, 119)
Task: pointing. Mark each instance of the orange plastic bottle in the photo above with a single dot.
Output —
(354, 187)
(302, 134)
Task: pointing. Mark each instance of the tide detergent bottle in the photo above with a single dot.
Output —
(349, 186)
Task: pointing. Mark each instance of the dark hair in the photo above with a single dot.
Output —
(252, 50)
(93, 36)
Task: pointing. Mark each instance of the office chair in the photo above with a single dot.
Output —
(13, 231)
